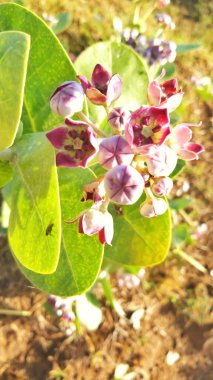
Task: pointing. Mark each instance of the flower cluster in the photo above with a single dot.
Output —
(139, 155)
(63, 309)
(156, 51)
(165, 19)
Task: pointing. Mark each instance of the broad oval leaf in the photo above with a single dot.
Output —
(49, 66)
(6, 173)
(121, 59)
(139, 241)
(81, 256)
(14, 52)
(34, 227)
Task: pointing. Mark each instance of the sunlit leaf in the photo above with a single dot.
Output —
(81, 256)
(49, 66)
(14, 52)
(34, 228)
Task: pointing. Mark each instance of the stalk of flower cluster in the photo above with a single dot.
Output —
(94, 126)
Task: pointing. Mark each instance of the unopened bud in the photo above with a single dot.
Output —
(153, 207)
(162, 186)
(67, 99)
(124, 185)
(118, 118)
(114, 151)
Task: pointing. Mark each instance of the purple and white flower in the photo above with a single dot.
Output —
(75, 142)
(103, 89)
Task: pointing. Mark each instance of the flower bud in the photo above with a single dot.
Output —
(97, 221)
(161, 162)
(124, 184)
(114, 151)
(67, 99)
(92, 221)
(118, 118)
(153, 207)
(162, 186)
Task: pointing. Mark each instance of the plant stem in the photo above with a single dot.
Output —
(190, 260)
(99, 132)
(16, 313)
(187, 218)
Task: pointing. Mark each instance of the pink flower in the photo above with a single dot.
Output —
(96, 221)
(161, 162)
(67, 99)
(147, 126)
(162, 186)
(166, 94)
(180, 141)
(123, 184)
(114, 151)
(153, 207)
(118, 118)
(76, 143)
(103, 89)
(94, 191)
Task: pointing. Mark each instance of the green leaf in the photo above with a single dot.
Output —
(110, 297)
(6, 173)
(121, 59)
(178, 169)
(180, 235)
(49, 66)
(139, 241)
(34, 227)
(14, 52)
(180, 203)
(63, 21)
(81, 256)
(186, 48)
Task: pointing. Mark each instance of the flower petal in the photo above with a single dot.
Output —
(84, 82)
(196, 148)
(75, 123)
(160, 136)
(173, 101)
(57, 136)
(162, 162)
(100, 76)
(114, 89)
(153, 207)
(170, 87)
(96, 97)
(180, 135)
(113, 151)
(123, 184)
(190, 151)
(92, 221)
(106, 234)
(64, 159)
(154, 93)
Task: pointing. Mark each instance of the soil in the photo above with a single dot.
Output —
(33, 347)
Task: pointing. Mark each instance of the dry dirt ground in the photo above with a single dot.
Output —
(33, 347)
